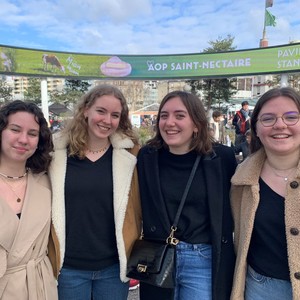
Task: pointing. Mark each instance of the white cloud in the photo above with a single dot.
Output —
(142, 26)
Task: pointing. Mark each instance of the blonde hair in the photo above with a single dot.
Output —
(77, 128)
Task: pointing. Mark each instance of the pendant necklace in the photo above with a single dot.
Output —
(285, 177)
(13, 189)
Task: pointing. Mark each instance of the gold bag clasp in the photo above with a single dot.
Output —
(141, 268)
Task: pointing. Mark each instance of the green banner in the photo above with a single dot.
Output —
(43, 63)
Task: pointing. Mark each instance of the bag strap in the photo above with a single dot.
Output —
(241, 115)
(171, 239)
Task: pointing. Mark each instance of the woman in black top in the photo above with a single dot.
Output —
(205, 256)
(96, 208)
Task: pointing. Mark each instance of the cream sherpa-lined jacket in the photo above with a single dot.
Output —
(127, 209)
(244, 202)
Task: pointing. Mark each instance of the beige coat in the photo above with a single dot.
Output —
(244, 202)
(25, 269)
(127, 208)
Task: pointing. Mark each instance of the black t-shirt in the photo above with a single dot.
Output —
(174, 171)
(90, 226)
(268, 247)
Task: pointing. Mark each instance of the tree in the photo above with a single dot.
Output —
(294, 81)
(33, 91)
(5, 92)
(218, 91)
(292, 78)
(77, 85)
(215, 90)
(220, 45)
(65, 96)
(72, 92)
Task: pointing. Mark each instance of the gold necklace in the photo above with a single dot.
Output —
(13, 189)
(101, 150)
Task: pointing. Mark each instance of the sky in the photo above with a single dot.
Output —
(143, 26)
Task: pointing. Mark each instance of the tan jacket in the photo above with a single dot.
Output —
(25, 269)
(127, 208)
(244, 202)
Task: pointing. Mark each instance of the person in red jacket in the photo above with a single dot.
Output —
(241, 121)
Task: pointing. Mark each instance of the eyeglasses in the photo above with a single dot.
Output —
(289, 118)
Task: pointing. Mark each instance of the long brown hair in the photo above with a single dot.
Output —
(201, 142)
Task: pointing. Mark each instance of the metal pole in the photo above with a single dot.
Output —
(284, 80)
(264, 30)
(44, 94)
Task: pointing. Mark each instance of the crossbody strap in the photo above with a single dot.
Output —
(171, 239)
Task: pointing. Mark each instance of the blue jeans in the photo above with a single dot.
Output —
(193, 272)
(259, 287)
(81, 285)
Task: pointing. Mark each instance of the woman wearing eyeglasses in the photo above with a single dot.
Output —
(265, 199)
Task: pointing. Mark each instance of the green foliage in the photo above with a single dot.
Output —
(73, 91)
(77, 85)
(220, 45)
(293, 81)
(65, 96)
(216, 90)
(33, 92)
(144, 134)
(5, 92)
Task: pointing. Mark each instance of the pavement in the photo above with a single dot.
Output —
(134, 294)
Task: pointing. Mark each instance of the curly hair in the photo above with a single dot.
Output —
(288, 92)
(77, 127)
(41, 158)
(202, 142)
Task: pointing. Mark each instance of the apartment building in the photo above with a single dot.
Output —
(19, 84)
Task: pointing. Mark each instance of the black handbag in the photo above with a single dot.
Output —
(153, 261)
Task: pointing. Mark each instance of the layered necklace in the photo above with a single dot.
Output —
(8, 180)
(284, 177)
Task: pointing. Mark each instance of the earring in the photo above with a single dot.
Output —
(195, 134)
